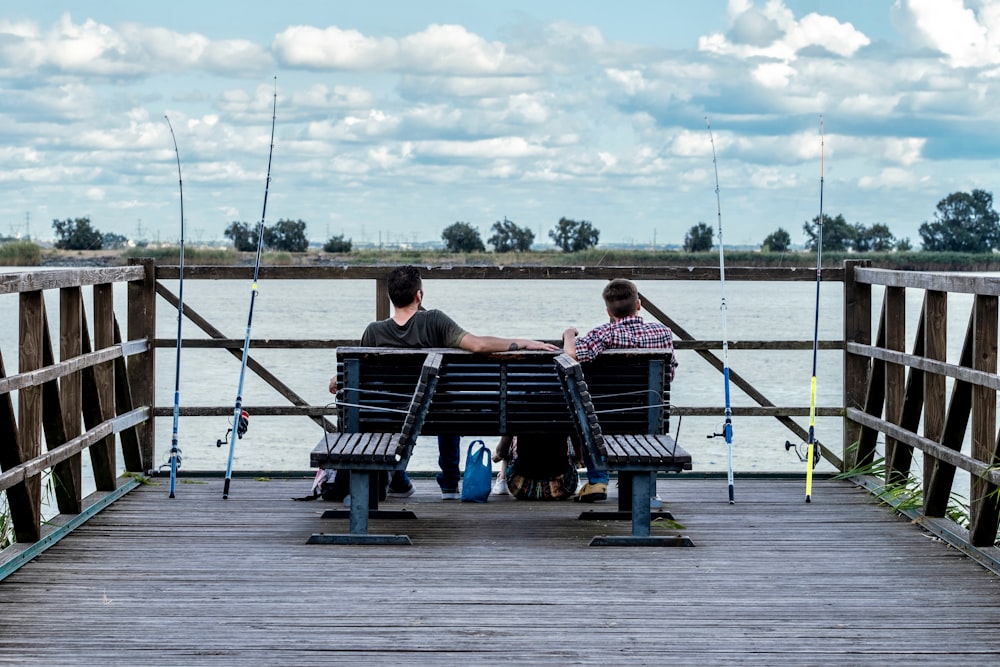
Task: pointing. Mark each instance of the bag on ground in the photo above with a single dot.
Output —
(478, 475)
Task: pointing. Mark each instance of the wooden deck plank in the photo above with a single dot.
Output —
(200, 580)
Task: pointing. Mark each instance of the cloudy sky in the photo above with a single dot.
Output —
(396, 118)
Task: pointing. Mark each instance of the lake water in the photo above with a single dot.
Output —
(534, 309)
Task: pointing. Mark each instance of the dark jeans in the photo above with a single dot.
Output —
(448, 458)
(449, 454)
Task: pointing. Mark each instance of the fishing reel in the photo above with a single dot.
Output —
(241, 428)
(725, 431)
(174, 455)
(802, 451)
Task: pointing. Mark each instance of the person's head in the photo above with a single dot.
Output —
(404, 283)
(621, 298)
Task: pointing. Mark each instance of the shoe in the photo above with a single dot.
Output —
(500, 488)
(592, 493)
(393, 493)
(655, 503)
(450, 494)
(347, 501)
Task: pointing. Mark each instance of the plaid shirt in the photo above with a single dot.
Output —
(627, 333)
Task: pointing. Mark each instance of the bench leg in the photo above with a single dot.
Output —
(641, 485)
(360, 485)
(625, 503)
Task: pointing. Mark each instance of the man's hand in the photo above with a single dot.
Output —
(333, 385)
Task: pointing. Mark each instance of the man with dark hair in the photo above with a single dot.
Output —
(413, 326)
(626, 330)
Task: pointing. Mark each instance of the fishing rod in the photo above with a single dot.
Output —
(175, 452)
(241, 419)
(812, 455)
(727, 427)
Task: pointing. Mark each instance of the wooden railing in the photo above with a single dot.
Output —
(109, 385)
(892, 393)
(96, 391)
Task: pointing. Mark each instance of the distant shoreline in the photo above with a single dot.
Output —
(908, 261)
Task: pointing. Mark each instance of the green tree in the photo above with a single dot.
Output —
(244, 240)
(698, 238)
(337, 244)
(113, 241)
(77, 234)
(904, 245)
(462, 237)
(573, 236)
(509, 237)
(964, 222)
(777, 241)
(287, 235)
(838, 235)
(876, 238)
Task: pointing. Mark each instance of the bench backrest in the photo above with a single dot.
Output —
(502, 393)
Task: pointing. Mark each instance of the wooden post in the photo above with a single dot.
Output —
(935, 347)
(857, 329)
(25, 499)
(102, 454)
(70, 346)
(983, 513)
(381, 298)
(142, 367)
(895, 374)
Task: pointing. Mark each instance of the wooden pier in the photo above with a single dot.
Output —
(128, 576)
(197, 580)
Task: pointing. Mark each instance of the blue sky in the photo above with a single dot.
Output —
(396, 119)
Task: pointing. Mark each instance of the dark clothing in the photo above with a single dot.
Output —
(543, 468)
(427, 328)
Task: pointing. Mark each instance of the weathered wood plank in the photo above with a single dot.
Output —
(200, 581)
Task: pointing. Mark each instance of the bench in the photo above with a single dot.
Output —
(617, 405)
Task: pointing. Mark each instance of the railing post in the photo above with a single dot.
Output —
(102, 454)
(857, 329)
(381, 298)
(142, 367)
(983, 513)
(71, 387)
(26, 499)
(936, 348)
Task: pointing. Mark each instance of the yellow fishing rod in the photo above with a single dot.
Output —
(812, 454)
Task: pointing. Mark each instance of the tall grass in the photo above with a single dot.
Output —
(20, 253)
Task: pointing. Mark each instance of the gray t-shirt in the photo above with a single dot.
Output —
(427, 328)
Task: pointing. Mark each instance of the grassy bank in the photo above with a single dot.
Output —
(24, 253)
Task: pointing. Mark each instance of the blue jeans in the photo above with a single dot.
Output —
(449, 453)
(594, 476)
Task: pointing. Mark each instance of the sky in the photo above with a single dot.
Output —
(394, 119)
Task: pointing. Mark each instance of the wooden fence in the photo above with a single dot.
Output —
(102, 390)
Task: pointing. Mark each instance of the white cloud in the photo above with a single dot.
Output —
(969, 37)
(441, 49)
(778, 35)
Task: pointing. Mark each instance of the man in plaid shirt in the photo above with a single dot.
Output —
(625, 330)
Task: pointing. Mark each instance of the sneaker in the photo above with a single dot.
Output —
(592, 493)
(450, 494)
(500, 488)
(406, 493)
(655, 503)
(347, 501)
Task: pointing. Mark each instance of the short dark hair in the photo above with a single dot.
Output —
(403, 283)
(621, 297)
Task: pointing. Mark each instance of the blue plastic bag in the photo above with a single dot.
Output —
(478, 475)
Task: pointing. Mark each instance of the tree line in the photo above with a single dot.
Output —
(963, 222)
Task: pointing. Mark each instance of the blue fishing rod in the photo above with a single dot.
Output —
(727, 427)
(240, 417)
(175, 452)
(812, 455)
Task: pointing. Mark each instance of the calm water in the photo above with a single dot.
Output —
(535, 309)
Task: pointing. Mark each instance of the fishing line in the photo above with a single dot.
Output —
(175, 452)
(241, 419)
(727, 427)
(812, 446)
(812, 455)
